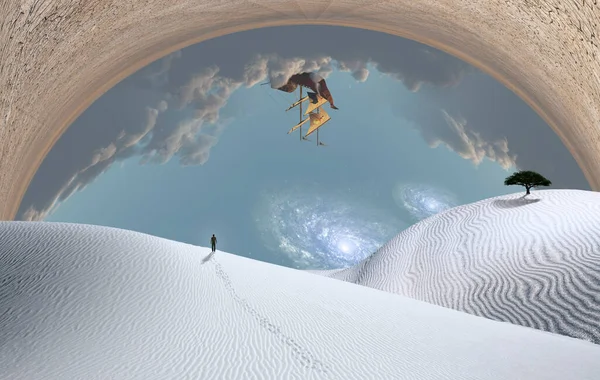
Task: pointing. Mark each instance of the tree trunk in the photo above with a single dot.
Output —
(527, 188)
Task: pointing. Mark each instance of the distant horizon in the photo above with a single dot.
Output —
(207, 246)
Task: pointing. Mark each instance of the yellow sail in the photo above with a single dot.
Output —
(297, 103)
(312, 107)
(317, 120)
(298, 125)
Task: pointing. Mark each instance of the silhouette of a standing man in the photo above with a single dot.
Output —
(213, 242)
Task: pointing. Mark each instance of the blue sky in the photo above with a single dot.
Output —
(370, 150)
(264, 193)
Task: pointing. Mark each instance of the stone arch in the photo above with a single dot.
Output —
(57, 57)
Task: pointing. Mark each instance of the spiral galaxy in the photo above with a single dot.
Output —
(323, 230)
(423, 201)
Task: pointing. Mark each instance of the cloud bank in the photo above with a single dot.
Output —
(480, 118)
(171, 108)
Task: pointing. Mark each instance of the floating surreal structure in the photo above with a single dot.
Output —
(59, 57)
(316, 116)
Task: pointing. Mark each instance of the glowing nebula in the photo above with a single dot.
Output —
(423, 201)
(319, 230)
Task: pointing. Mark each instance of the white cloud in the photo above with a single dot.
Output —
(469, 144)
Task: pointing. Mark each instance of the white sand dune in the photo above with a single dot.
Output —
(85, 302)
(532, 262)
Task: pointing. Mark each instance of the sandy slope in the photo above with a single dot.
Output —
(533, 262)
(84, 302)
(58, 56)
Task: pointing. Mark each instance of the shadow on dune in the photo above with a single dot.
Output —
(207, 258)
(512, 203)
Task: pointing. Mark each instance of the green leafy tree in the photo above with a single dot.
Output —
(528, 179)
